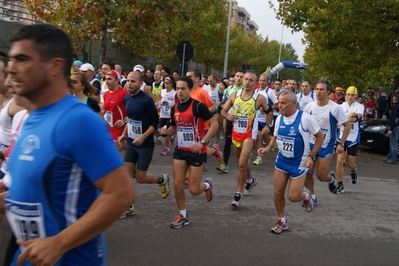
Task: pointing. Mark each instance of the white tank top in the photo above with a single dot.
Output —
(6, 124)
(142, 86)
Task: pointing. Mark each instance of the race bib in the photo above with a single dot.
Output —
(165, 110)
(369, 111)
(185, 136)
(241, 124)
(286, 146)
(134, 128)
(108, 118)
(25, 219)
(215, 99)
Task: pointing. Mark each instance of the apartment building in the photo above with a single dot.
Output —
(241, 15)
(14, 11)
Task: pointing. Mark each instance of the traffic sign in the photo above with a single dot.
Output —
(185, 51)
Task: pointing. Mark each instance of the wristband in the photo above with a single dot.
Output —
(270, 109)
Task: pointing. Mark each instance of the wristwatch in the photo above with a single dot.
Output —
(312, 157)
(203, 142)
(340, 143)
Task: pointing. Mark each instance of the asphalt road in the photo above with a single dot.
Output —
(359, 227)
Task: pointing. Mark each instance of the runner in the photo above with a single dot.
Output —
(327, 114)
(354, 112)
(292, 134)
(142, 121)
(188, 121)
(244, 104)
(70, 197)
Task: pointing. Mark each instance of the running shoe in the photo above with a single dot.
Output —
(223, 168)
(308, 201)
(385, 159)
(333, 186)
(159, 141)
(130, 212)
(249, 187)
(186, 182)
(390, 161)
(179, 222)
(314, 202)
(280, 227)
(209, 191)
(341, 187)
(354, 177)
(236, 202)
(165, 152)
(258, 161)
(164, 187)
(218, 154)
(171, 140)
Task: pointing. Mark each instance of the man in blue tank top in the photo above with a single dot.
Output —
(60, 199)
(295, 157)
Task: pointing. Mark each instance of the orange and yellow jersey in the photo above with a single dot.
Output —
(244, 112)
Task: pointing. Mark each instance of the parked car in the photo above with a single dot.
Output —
(373, 134)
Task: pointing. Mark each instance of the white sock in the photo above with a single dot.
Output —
(183, 213)
(313, 197)
(250, 181)
(306, 192)
(283, 220)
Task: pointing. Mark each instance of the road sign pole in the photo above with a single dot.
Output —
(184, 59)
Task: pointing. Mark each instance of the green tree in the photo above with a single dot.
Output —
(86, 21)
(350, 42)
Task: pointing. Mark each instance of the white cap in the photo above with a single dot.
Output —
(139, 68)
(86, 66)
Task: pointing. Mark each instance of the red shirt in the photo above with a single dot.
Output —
(190, 128)
(115, 110)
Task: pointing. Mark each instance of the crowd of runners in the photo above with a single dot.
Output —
(191, 115)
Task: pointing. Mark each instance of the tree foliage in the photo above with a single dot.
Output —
(350, 42)
(153, 29)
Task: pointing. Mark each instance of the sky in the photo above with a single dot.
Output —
(269, 26)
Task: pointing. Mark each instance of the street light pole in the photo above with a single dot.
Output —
(281, 44)
(226, 55)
